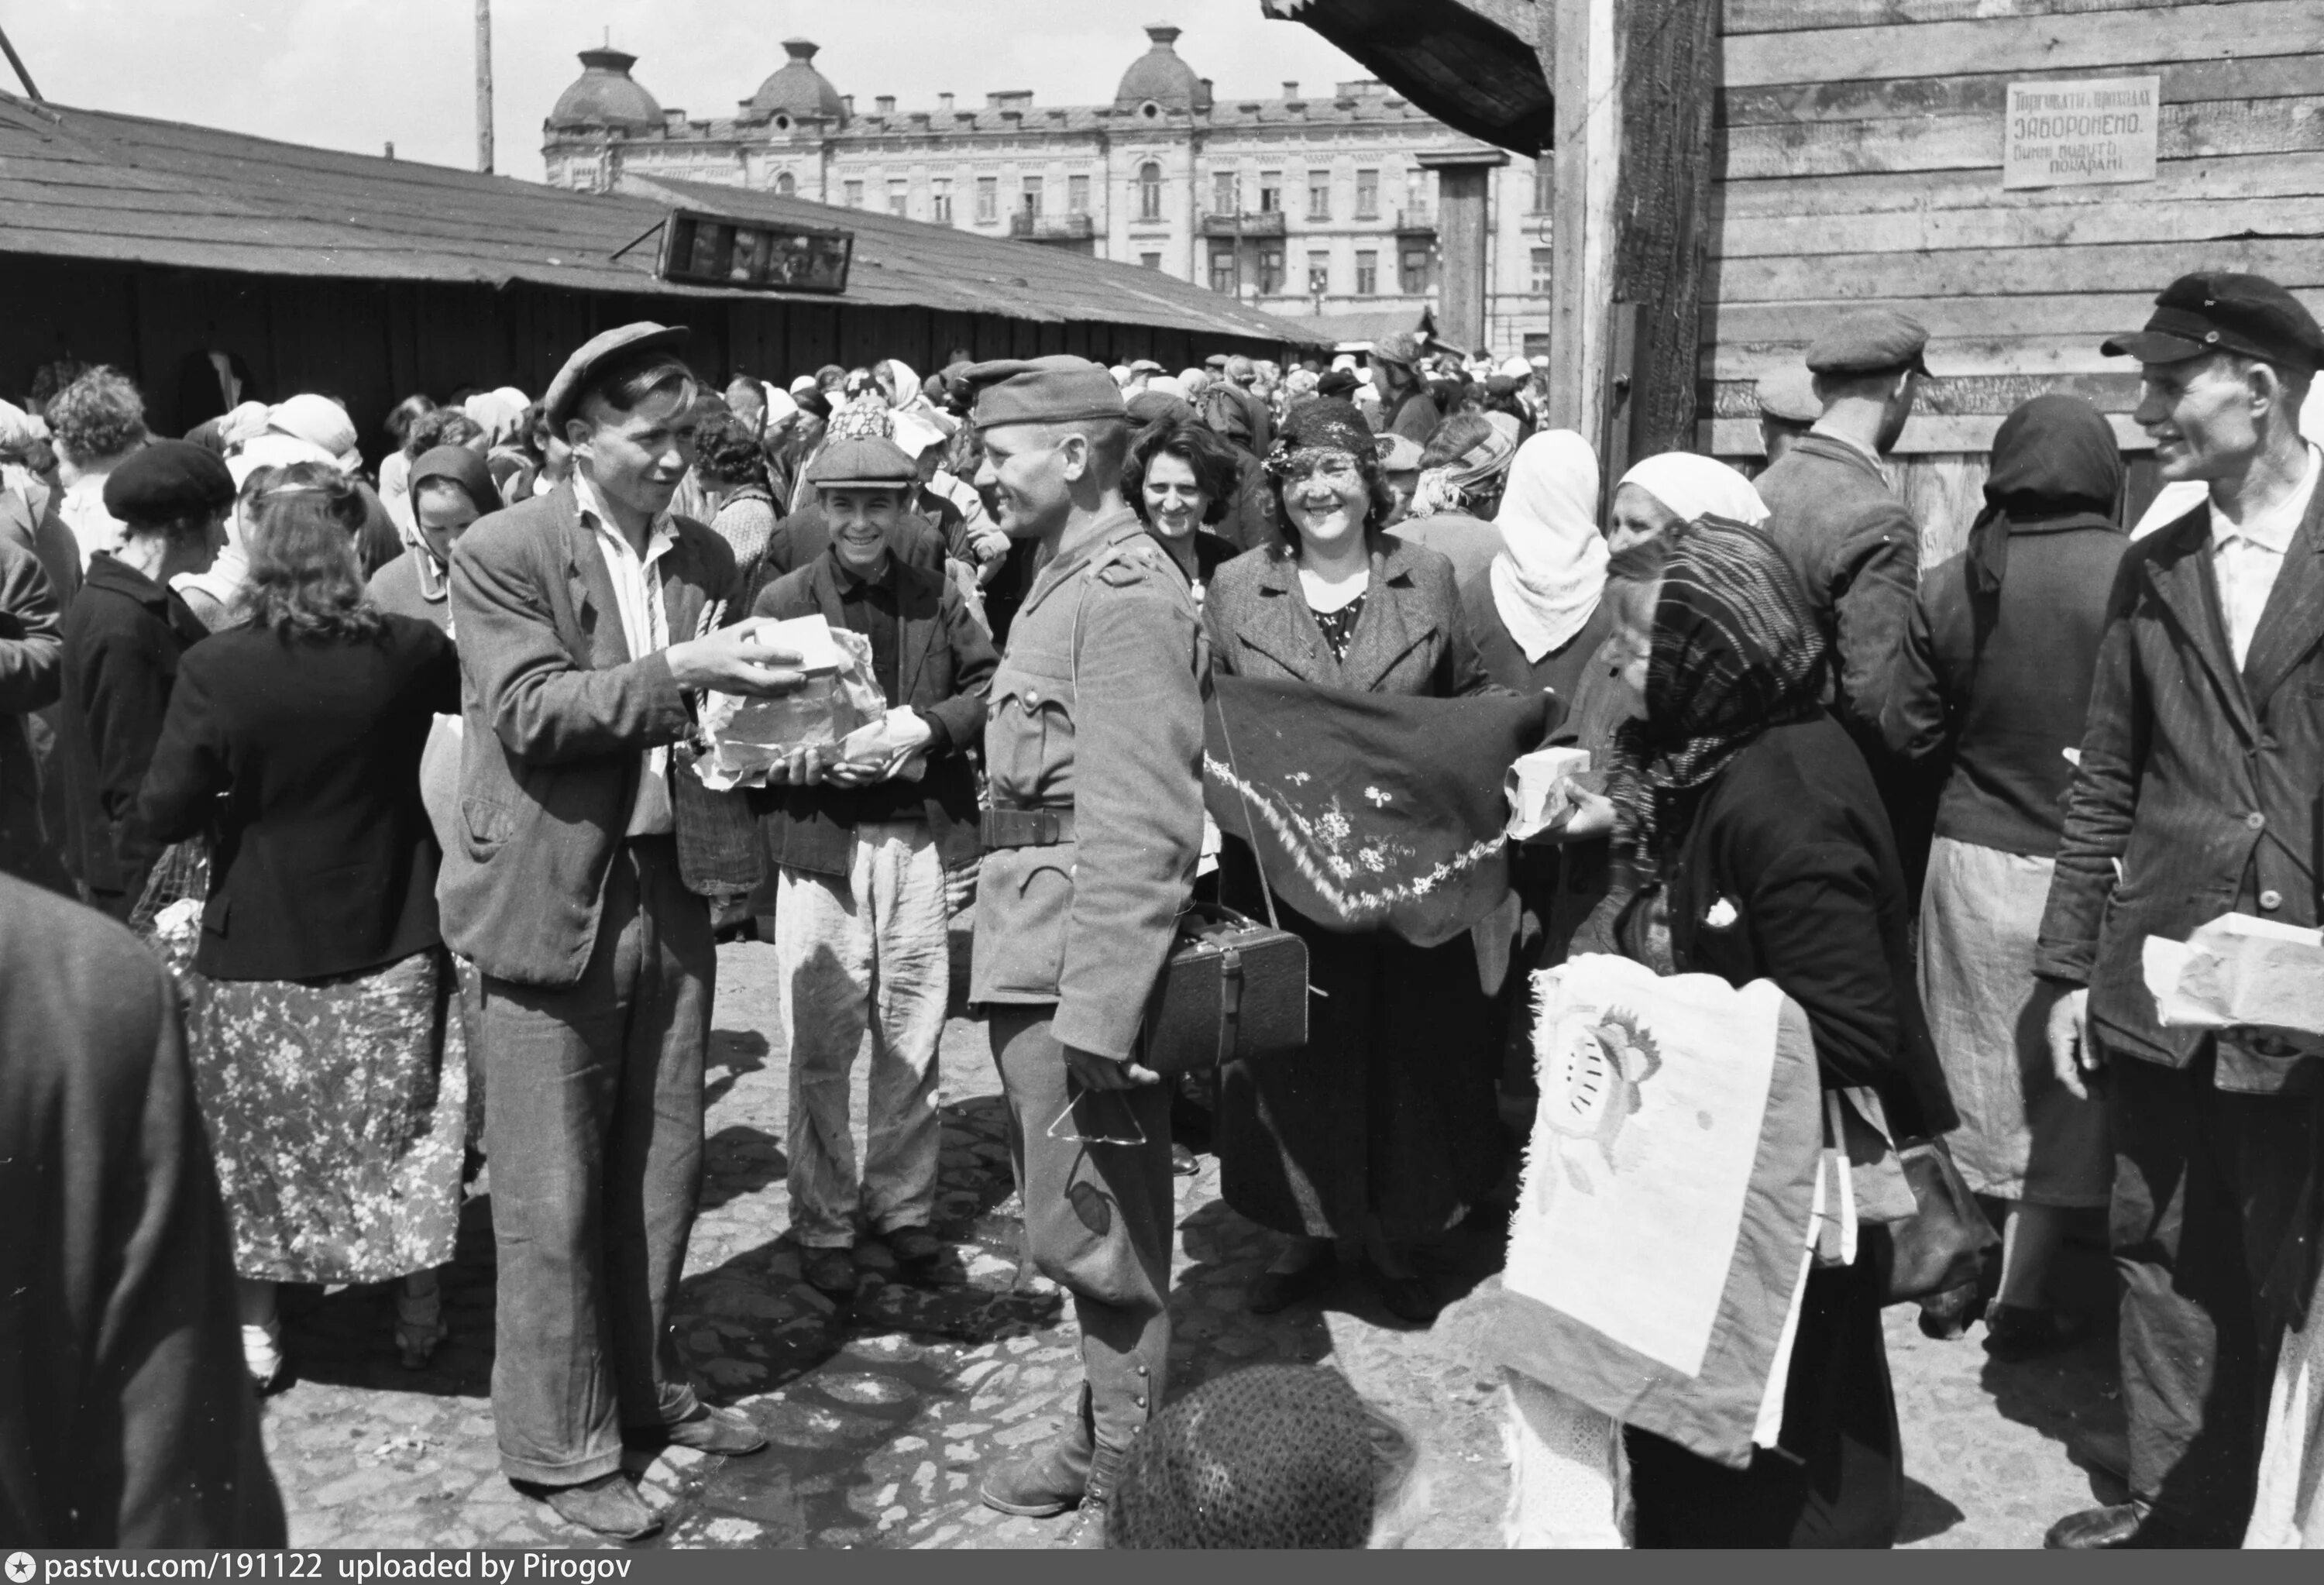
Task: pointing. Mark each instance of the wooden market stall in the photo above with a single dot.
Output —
(149, 244)
(1859, 151)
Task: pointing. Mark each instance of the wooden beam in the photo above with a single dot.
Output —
(1583, 73)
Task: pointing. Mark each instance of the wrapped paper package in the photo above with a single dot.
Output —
(2240, 972)
(1537, 801)
(747, 737)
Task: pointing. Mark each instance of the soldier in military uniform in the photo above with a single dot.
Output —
(1094, 749)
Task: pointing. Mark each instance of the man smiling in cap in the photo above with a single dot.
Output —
(1094, 747)
(2196, 796)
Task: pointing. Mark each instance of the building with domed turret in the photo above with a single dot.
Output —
(1352, 204)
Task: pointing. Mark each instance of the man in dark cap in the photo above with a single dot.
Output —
(2196, 796)
(862, 835)
(1407, 405)
(590, 623)
(1094, 747)
(1852, 545)
(121, 639)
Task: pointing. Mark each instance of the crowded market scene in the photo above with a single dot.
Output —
(700, 855)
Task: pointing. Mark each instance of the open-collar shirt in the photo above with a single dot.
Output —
(645, 628)
(2246, 556)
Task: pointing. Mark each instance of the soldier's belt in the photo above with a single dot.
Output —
(1026, 828)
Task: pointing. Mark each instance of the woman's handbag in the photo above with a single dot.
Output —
(1234, 989)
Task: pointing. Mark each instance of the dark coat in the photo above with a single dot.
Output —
(1097, 709)
(557, 716)
(1412, 637)
(123, 640)
(2200, 779)
(323, 862)
(944, 674)
(1997, 688)
(1792, 840)
(127, 1419)
(32, 677)
(1387, 1111)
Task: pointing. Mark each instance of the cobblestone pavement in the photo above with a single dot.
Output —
(882, 1414)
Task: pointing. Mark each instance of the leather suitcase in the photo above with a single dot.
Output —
(1232, 989)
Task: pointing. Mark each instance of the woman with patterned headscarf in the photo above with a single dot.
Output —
(1383, 1130)
(1751, 815)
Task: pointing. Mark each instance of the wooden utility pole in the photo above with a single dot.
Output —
(484, 86)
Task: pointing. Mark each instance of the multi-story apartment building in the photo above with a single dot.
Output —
(1321, 203)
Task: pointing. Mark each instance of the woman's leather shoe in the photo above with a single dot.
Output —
(1408, 1298)
(2106, 1529)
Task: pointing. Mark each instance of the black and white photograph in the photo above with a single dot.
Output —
(1243, 775)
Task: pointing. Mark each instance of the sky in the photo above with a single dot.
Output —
(357, 74)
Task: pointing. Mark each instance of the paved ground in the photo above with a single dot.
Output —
(882, 1414)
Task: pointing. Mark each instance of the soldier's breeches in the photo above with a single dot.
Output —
(1098, 1214)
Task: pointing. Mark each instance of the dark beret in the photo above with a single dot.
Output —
(1056, 389)
(866, 463)
(623, 341)
(1869, 342)
(2221, 311)
(167, 479)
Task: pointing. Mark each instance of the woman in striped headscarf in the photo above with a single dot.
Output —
(1751, 814)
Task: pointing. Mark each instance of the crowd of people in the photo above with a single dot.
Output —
(394, 771)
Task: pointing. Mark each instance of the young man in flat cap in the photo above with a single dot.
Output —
(1094, 746)
(862, 845)
(589, 621)
(2196, 796)
(1854, 547)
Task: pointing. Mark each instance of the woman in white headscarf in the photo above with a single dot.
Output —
(1537, 606)
(1675, 488)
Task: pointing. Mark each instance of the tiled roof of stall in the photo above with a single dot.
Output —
(87, 184)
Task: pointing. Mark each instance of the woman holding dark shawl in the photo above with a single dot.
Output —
(1383, 1130)
(1753, 816)
(1995, 674)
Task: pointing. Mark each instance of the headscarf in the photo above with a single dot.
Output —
(462, 467)
(1322, 425)
(245, 422)
(2054, 458)
(1469, 451)
(864, 418)
(1550, 569)
(495, 414)
(319, 420)
(1736, 650)
(904, 384)
(1696, 487)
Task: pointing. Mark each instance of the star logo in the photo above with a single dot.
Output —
(21, 1567)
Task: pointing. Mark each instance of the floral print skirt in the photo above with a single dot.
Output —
(334, 1110)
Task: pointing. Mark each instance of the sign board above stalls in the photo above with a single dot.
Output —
(2082, 133)
(699, 249)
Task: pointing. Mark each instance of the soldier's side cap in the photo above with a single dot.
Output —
(2219, 311)
(1055, 389)
(1399, 453)
(865, 462)
(167, 479)
(1789, 394)
(623, 341)
(1868, 342)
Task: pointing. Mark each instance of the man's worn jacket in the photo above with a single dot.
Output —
(2200, 779)
(557, 716)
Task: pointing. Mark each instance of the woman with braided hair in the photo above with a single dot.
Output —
(320, 996)
(1762, 846)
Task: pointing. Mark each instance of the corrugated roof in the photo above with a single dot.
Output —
(88, 184)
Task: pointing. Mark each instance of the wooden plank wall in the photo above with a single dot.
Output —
(1858, 161)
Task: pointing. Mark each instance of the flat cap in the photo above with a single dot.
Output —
(1145, 366)
(1868, 341)
(1789, 394)
(1402, 349)
(2220, 311)
(867, 463)
(1056, 389)
(1150, 406)
(1217, 360)
(167, 479)
(623, 341)
(1398, 453)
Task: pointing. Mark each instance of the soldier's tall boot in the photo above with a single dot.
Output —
(1126, 1353)
(1047, 1478)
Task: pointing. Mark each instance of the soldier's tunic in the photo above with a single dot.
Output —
(1094, 749)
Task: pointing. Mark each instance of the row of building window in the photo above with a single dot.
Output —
(1226, 194)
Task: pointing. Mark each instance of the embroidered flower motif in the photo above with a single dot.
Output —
(1722, 915)
(1371, 860)
(1381, 800)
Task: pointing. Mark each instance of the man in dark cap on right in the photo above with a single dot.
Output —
(1406, 406)
(2195, 796)
(1094, 747)
(1849, 541)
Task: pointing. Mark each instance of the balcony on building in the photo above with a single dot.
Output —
(1266, 222)
(1025, 226)
(1420, 221)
